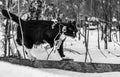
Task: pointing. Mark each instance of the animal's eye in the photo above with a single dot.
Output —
(70, 28)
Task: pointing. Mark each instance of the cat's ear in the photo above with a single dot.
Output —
(74, 22)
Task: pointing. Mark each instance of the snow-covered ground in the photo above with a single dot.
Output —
(9, 70)
(100, 56)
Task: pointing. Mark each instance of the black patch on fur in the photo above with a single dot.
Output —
(39, 31)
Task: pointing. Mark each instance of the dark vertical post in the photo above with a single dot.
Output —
(6, 43)
(105, 9)
(105, 39)
(86, 39)
(98, 36)
(110, 19)
(119, 31)
(8, 38)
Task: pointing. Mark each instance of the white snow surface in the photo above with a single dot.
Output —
(110, 55)
(10, 70)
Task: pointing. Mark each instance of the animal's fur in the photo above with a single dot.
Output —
(40, 31)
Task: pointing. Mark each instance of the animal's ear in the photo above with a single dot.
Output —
(74, 22)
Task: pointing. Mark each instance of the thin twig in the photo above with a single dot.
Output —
(98, 37)
(21, 29)
(50, 53)
(73, 51)
(102, 53)
(114, 40)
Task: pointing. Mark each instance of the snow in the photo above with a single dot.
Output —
(100, 56)
(108, 56)
(11, 70)
(76, 74)
(1, 3)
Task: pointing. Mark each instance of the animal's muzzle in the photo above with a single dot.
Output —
(74, 34)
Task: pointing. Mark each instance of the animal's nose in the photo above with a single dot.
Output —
(74, 34)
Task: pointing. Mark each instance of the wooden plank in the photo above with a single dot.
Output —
(65, 65)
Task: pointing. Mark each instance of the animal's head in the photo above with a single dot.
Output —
(71, 29)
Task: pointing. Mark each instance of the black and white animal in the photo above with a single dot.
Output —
(36, 32)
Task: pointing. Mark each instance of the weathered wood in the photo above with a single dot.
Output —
(65, 65)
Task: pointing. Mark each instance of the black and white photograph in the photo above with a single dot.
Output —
(59, 38)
